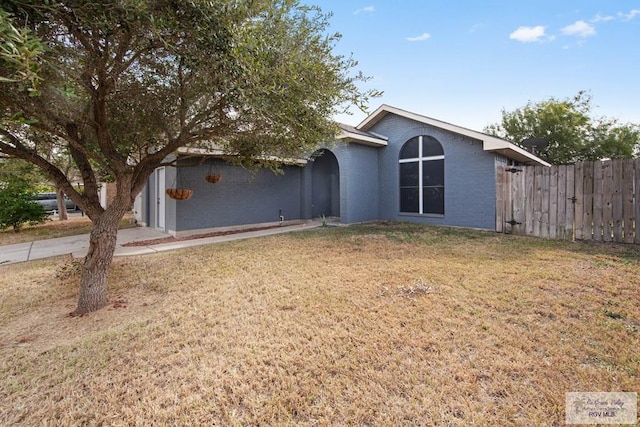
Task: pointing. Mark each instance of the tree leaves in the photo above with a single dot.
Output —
(570, 130)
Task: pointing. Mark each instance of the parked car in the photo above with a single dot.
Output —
(49, 203)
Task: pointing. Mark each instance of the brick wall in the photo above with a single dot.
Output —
(469, 176)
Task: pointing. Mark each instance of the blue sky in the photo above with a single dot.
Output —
(464, 61)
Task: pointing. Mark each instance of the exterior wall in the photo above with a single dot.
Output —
(359, 187)
(369, 186)
(469, 176)
(239, 198)
(171, 205)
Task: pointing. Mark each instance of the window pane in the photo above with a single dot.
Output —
(433, 173)
(433, 200)
(410, 199)
(409, 173)
(431, 147)
(410, 149)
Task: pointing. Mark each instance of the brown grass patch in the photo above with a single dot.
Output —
(366, 325)
(53, 228)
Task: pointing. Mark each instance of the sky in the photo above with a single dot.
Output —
(463, 62)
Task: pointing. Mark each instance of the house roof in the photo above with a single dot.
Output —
(489, 143)
(349, 133)
(217, 151)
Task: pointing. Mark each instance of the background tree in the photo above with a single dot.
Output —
(572, 133)
(18, 187)
(123, 84)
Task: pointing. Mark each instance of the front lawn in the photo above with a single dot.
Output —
(386, 324)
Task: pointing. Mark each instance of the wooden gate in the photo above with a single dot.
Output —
(586, 201)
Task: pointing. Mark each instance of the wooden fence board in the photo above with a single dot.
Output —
(578, 207)
(636, 200)
(587, 217)
(517, 194)
(537, 201)
(544, 205)
(627, 200)
(598, 183)
(507, 202)
(617, 213)
(569, 202)
(586, 201)
(529, 180)
(607, 201)
(556, 180)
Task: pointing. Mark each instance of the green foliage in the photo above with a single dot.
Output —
(17, 206)
(132, 81)
(572, 133)
(23, 171)
(19, 52)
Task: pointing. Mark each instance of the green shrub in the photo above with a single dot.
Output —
(17, 206)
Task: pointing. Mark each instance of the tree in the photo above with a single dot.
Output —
(123, 84)
(570, 130)
(17, 206)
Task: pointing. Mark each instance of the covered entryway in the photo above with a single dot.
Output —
(325, 185)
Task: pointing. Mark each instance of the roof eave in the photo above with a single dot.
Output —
(489, 143)
(361, 139)
(217, 152)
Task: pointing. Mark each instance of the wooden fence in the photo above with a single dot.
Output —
(586, 201)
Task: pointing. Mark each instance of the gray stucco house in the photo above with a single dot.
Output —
(395, 165)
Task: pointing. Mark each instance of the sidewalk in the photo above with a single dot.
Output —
(78, 246)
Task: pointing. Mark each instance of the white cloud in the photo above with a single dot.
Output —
(528, 34)
(368, 9)
(421, 37)
(602, 18)
(580, 29)
(629, 16)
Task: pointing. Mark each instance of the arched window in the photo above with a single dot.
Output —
(422, 176)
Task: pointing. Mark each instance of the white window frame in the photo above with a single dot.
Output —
(420, 159)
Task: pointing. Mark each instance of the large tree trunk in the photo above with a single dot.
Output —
(62, 206)
(102, 244)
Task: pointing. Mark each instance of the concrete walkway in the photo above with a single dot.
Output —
(78, 246)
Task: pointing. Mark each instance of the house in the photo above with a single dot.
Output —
(395, 165)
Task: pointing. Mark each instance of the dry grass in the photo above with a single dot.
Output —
(366, 325)
(53, 228)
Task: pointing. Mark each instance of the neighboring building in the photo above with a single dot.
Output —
(395, 165)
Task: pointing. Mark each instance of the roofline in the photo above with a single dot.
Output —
(361, 139)
(489, 143)
(216, 151)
